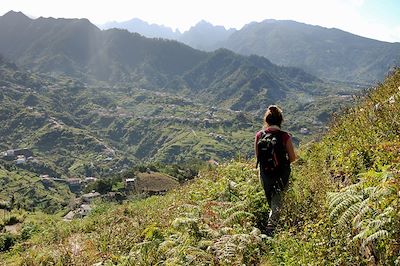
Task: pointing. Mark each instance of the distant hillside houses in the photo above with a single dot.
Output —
(304, 131)
(130, 183)
(20, 159)
(81, 212)
(20, 156)
(90, 179)
(89, 197)
(216, 136)
(13, 153)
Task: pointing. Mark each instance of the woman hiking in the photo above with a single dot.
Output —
(274, 152)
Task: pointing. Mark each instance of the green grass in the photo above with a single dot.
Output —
(190, 221)
(343, 204)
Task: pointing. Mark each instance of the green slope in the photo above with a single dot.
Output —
(326, 52)
(342, 207)
(32, 193)
(75, 129)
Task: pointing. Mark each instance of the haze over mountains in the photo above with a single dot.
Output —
(77, 48)
(79, 92)
(203, 35)
(144, 28)
(329, 53)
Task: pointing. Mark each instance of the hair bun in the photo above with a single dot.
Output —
(272, 107)
(273, 116)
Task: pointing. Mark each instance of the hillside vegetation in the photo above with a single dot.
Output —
(74, 129)
(326, 52)
(90, 102)
(29, 192)
(70, 127)
(342, 207)
(118, 58)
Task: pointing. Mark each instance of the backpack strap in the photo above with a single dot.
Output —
(262, 134)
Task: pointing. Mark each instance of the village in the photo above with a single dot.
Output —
(142, 184)
(195, 113)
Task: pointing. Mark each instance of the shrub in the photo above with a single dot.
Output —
(6, 241)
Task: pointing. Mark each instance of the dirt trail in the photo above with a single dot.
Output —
(14, 229)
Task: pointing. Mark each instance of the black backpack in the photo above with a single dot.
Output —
(272, 155)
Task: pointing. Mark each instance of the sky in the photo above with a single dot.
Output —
(376, 19)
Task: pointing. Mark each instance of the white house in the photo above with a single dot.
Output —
(20, 159)
(90, 179)
(130, 183)
(10, 153)
(304, 131)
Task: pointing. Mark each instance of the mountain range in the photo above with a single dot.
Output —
(325, 52)
(76, 95)
(203, 35)
(77, 48)
(144, 28)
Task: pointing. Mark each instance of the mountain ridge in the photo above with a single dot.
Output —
(151, 30)
(79, 49)
(203, 35)
(326, 52)
(338, 55)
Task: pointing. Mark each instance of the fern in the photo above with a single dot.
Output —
(388, 211)
(238, 207)
(361, 235)
(345, 200)
(224, 249)
(335, 198)
(377, 223)
(349, 214)
(245, 247)
(238, 217)
(373, 210)
(377, 235)
(194, 256)
(363, 210)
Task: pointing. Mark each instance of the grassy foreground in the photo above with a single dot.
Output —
(342, 208)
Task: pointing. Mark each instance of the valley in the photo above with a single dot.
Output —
(75, 129)
(119, 149)
(70, 130)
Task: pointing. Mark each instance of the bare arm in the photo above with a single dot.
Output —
(290, 150)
